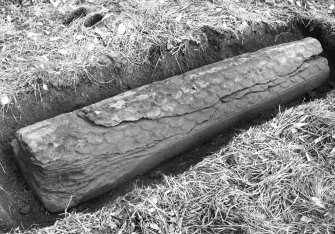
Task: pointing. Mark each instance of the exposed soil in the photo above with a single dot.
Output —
(17, 199)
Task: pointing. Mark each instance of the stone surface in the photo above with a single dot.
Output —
(79, 155)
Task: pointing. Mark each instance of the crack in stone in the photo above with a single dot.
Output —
(304, 65)
(84, 116)
(235, 94)
(212, 114)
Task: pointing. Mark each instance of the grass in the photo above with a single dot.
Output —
(37, 50)
(277, 177)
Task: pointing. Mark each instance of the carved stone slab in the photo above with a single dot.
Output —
(79, 155)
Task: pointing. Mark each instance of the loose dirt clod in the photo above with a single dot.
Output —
(73, 15)
(25, 210)
(93, 19)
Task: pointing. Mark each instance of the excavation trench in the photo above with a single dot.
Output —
(19, 205)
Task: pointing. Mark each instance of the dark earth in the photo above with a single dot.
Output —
(19, 207)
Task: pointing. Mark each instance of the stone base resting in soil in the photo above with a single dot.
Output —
(76, 156)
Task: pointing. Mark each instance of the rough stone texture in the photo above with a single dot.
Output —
(79, 155)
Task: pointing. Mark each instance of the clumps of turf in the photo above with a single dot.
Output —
(278, 177)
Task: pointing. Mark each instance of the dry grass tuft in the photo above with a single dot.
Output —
(277, 177)
(36, 49)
